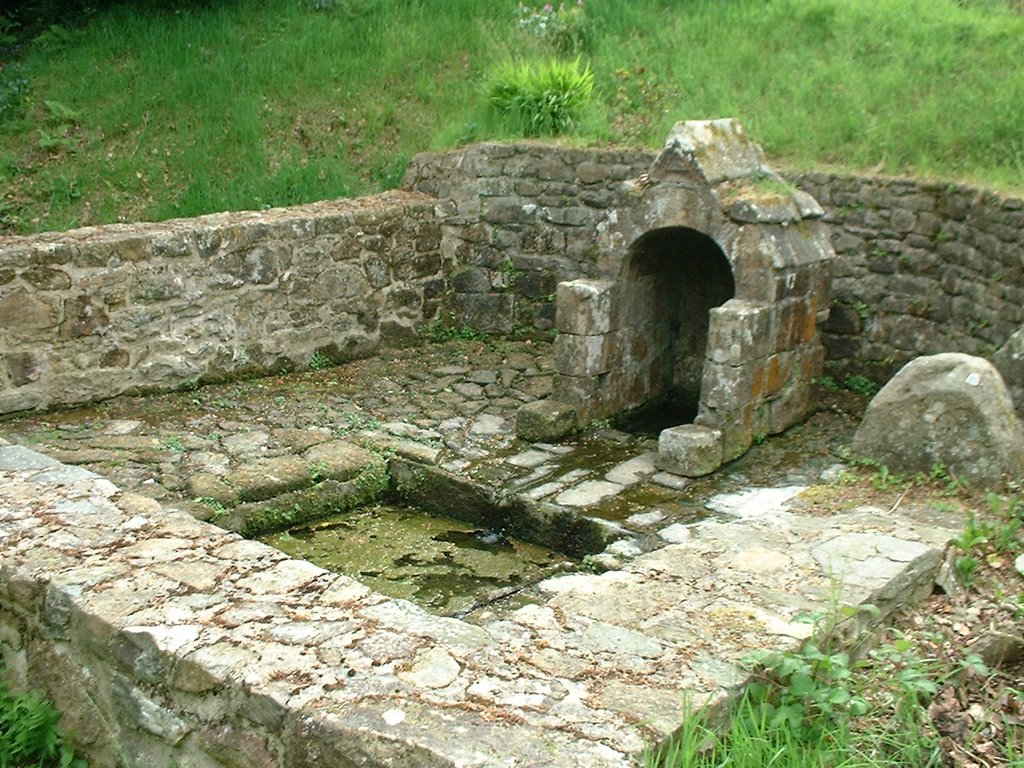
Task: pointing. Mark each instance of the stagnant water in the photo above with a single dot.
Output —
(445, 565)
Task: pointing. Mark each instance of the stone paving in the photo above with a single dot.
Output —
(203, 646)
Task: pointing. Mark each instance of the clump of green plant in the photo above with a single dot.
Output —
(567, 30)
(855, 382)
(810, 688)
(217, 507)
(540, 99)
(317, 471)
(174, 443)
(319, 361)
(860, 385)
(998, 534)
(438, 331)
(29, 735)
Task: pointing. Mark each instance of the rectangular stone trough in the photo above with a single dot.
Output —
(167, 640)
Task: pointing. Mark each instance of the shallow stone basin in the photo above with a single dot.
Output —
(204, 648)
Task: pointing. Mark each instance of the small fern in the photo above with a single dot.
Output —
(29, 735)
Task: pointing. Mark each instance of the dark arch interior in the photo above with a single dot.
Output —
(671, 279)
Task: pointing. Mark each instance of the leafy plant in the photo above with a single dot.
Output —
(29, 735)
(317, 471)
(218, 507)
(319, 361)
(174, 443)
(804, 690)
(545, 99)
(860, 385)
(749, 741)
(438, 331)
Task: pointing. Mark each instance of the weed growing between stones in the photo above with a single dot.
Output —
(856, 383)
(217, 507)
(319, 361)
(438, 332)
(991, 539)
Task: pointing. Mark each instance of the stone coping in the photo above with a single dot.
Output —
(193, 645)
(368, 204)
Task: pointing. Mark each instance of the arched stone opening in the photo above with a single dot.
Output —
(671, 279)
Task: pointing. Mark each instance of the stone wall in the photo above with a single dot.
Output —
(519, 219)
(921, 268)
(99, 311)
(487, 232)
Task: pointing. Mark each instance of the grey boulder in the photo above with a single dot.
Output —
(950, 409)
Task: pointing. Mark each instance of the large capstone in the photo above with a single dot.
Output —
(951, 410)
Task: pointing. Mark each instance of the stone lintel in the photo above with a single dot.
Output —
(719, 148)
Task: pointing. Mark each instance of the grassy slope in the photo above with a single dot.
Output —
(192, 111)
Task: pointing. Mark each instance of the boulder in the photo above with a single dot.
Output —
(949, 409)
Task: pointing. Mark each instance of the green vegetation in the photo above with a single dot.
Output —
(540, 99)
(150, 110)
(821, 707)
(319, 361)
(854, 382)
(29, 735)
(440, 331)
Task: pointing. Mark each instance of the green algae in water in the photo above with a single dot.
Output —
(445, 565)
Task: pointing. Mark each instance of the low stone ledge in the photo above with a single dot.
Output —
(166, 640)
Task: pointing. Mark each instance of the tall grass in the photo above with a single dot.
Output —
(247, 104)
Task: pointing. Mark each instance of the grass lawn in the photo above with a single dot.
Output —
(134, 113)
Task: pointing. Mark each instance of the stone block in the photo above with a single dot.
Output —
(727, 386)
(585, 355)
(767, 210)
(719, 149)
(545, 420)
(487, 312)
(741, 427)
(585, 307)
(269, 477)
(738, 331)
(471, 280)
(588, 394)
(790, 406)
(690, 450)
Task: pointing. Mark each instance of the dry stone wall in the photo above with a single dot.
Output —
(519, 219)
(921, 268)
(485, 233)
(95, 312)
